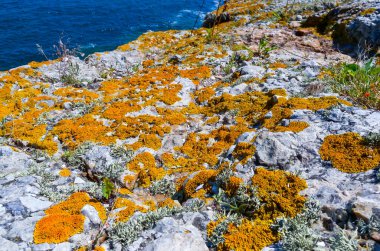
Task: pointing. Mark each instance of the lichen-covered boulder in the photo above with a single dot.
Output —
(357, 23)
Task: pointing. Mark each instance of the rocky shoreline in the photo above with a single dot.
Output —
(222, 138)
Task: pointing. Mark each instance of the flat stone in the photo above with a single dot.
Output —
(23, 229)
(34, 204)
(92, 214)
(7, 245)
(187, 238)
(66, 246)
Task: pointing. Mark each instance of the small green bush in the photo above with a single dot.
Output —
(297, 233)
(342, 242)
(359, 81)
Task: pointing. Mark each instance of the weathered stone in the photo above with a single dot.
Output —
(7, 245)
(187, 238)
(363, 208)
(92, 214)
(33, 204)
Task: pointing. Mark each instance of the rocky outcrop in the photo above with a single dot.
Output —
(181, 140)
(355, 23)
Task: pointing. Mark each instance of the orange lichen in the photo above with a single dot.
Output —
(196, 74)
(150, 141)
(148, 63)
(74, 204)
(35, 64)
(277, 65)
(124, 191)
(124, 47)
(279, 192)
(233, 185)
(315, 103)
(145, 165)
(168, 202)
(72, 93)
(65, 172)
(129, 209)
(243, 151)
(151, 204)
(99, 248)
(249, 236)
(64, 219)
(294, 126)
(58, 228)
(348, 153)
(74, 132)
(204, 94)
(201, 178)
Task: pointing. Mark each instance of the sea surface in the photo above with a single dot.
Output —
(96, 25)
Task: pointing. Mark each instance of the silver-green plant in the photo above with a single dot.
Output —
(343, 242)
(216, 237)
(127, 232)
(163, 186)
(297, 233)
(244, 202)
(365, 229)
(372, 139)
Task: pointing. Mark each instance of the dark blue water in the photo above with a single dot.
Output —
(96, 25)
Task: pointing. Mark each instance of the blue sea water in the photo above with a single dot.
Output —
(96, 25)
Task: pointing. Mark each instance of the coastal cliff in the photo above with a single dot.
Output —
(259, 131)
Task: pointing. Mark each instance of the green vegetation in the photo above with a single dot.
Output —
(107, 188)
(372, 139)
(359, 81)
(265, 47)
(164, 186)
(342, 242)
(297, 233)
(127, 232)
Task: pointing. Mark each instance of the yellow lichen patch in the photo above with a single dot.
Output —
(72, 93)
(65, 172)
(249, 236)
(74, 204)
(64, 219)
(151, 204)
(294, 126)
(158, 39)
(279, 192)
(150, 141)
(203, 149)
(201, 178)
(233, 185)
(145, 165)
(124, 47)
(129, 209)
(348, 153)
(277, 65)
(173, 117)
(26, 129)
(58, 228)
(315, 103)
(212, 120)
(196, 74)
(204, 94)
(243, 151)
(74, 132)
(118, 110)
(99, 248)
(148, 63)
(168, 202)
(283, 109)
(35, 64)
(124, 191)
